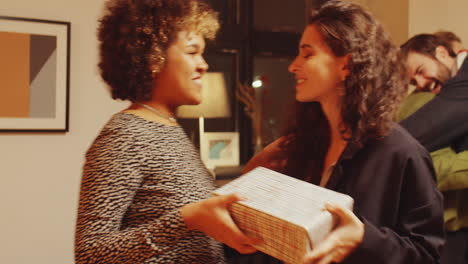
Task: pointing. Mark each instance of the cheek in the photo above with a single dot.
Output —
(186, 62)
(433, 70)
(323, 76)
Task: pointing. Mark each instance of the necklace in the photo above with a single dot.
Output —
(157, 112)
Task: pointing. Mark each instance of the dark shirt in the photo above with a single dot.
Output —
(443, 122)
(393, 184)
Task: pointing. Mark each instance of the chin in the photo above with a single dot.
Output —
(299, 98)
(303, 99)
(195, 101)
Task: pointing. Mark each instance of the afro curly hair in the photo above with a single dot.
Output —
(135, 34)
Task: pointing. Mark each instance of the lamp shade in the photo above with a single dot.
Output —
(215, 102)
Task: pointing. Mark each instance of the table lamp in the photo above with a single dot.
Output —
(215, 102)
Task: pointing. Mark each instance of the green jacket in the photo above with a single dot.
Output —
(451, 170)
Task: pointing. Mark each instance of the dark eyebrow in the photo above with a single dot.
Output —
(304, 46)
(195, 46)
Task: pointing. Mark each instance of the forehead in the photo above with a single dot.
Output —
(416, 60)
(312, 36)
(187, 37)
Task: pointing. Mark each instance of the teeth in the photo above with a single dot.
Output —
(300, 80)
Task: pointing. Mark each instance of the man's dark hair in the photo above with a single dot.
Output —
(424, 44)
(447, 36)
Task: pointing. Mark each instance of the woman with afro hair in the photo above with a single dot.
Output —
(145, 192)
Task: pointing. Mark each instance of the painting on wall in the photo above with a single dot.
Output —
(34, 75)
(219, 149)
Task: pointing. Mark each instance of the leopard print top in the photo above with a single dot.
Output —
(136, 177)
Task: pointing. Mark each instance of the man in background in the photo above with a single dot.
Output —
(440, 123)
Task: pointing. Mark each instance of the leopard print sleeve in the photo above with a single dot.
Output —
(131, 194)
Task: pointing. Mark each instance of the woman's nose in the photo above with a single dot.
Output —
(293, 66)
(203, 65)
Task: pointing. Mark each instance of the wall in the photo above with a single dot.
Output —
(392, 14)
(427, 16)
(40, 172)
(405, 18)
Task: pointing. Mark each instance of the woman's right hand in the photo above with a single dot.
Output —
(341, 242)
(211, 216)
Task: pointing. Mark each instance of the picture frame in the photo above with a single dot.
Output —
(34, 75)
(219, 149)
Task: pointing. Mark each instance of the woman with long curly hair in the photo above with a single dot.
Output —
(144, 192)
(348, 85)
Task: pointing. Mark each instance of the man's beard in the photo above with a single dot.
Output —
(443, 75)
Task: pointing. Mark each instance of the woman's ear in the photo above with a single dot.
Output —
(345, 62)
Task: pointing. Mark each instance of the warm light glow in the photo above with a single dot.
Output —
(257, 84)
(215, 102)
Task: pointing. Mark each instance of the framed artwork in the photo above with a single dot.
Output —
(220, 149)
(34, 75)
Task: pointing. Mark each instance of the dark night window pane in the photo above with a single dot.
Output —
(275, 90)
(280, 15)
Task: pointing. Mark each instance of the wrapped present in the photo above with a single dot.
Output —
(287, 213)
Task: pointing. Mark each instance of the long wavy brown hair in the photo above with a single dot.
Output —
(373, 89)
(135, 34)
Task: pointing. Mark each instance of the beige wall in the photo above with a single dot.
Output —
(427, 16)
(40, 173)
(405, 18)
(392, 14)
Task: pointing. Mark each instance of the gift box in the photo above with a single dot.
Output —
(287, 213)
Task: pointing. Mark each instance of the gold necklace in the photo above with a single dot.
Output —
(157, 112)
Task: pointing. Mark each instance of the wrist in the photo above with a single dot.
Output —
(188, 215)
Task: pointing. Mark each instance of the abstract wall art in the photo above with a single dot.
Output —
(34, 75)
(220, 149)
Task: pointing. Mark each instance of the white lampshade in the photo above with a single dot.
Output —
(215, 102)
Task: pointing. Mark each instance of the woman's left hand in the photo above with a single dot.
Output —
(341, 241)
(211, 216)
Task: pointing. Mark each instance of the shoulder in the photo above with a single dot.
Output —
(398, 153)
(128, 126)
(401, 162)
(406, 155)
(124, 123)
(402, 138)
(457, 87)
(400, 142)
(415, 164)
(117, 135)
